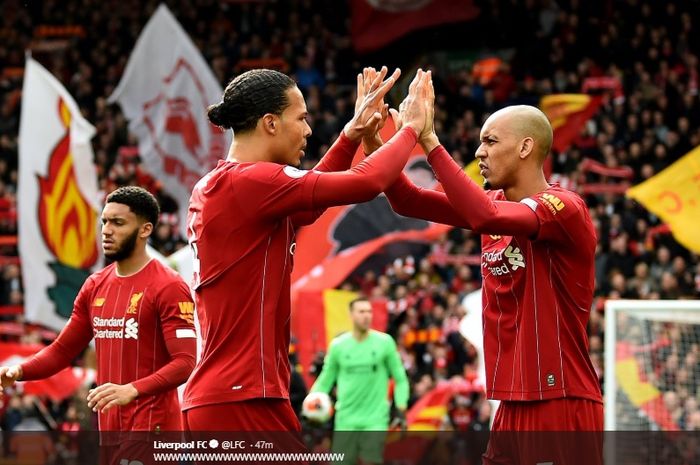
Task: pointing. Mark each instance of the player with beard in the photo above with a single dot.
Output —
(140, 313)
(242, 221)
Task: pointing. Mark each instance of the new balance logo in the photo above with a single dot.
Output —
(131, 329)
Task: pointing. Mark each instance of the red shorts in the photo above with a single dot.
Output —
(270, 421)
(567, 414)
(246, 415)
(558, 431)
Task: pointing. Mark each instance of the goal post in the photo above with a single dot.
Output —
(652, 363)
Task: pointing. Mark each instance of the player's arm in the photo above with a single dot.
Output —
(283, 191)
(370, 177)
(378, 171)
(398, 373)
(174, 305)
(366, 120)
(407, 199)
(474, 207)
(74, 337)
(339, 157)
(329, 372)
(469, 201)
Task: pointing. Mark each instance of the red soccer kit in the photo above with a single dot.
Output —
(144, 334)
(537, 291)
(242, 220)
(537, 294)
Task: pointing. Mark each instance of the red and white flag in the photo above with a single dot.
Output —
(164, 93)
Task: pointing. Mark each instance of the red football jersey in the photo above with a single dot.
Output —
(537, 295)
(241, 227)
(243, 241)
(131, 318)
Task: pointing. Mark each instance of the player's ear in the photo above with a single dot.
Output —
(146, 230)
(270, 123)
(525, 147)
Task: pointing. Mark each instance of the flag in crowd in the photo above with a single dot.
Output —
(674, 196)
(164, 93)
(376, 23)
(568, 114)
(58, 198)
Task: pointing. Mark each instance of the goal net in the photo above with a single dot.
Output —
(652, 365)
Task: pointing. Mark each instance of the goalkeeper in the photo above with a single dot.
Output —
(361, 362)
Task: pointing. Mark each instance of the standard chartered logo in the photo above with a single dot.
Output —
(131, 329)
(515, 258)
(115, 328)
(495, 261)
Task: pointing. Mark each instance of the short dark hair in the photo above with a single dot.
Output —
(139, 200)
(250, 96)
(354, 301)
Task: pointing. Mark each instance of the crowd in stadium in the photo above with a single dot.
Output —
(649, 119)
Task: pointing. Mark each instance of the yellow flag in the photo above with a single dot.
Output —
(473, 171)
(674, 196)
(336, 303)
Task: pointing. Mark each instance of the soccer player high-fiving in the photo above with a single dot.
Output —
(242, 221)
(538, 248)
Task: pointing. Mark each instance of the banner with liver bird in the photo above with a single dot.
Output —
(58, 199)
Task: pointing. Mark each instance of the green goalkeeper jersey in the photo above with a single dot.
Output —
(361, 370)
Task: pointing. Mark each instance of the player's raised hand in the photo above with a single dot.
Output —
(371, 140)
(428, 93)
(428, 138)
(372, 77)
(109, 395)
(9, 375)
(370, 103)
(413, 111)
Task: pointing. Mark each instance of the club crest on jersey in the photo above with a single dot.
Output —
(551, 380)
(294, 173)
(134, 303)
(504, 261)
